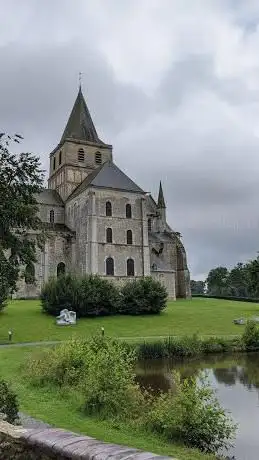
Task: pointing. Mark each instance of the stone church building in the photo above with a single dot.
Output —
(99, 221)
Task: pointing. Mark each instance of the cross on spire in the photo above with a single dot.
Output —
(80, 79)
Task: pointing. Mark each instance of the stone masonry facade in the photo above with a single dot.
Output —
(98, 221)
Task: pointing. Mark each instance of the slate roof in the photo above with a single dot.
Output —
(51, 197)
(161, 200)
(108, 175)
(80, 125)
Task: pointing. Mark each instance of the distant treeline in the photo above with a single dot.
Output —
(239, 283)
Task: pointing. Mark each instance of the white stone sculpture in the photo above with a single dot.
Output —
(240, 321)
(66, 318)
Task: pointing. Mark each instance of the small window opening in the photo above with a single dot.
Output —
(81, 155)
(110, 266)
(129, 237)
(128, 211)
(29, 274)
(52, 216)
(108, 235)
(108, 209)
(98, 158)
(130, 267)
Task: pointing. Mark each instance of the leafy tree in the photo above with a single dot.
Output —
(238, 281)
(217, 281)
(197, 287)
(252, 273)
(20, 180)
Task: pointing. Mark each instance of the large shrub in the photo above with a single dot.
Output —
(88, 296)
(59, 293)
(100, 370)
(190, 413)
(143, 296)
(108, 387)
(97, 297)
(8, 403)
(250, 337)
(61, 365)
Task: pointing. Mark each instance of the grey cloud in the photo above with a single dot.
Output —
(192, 132)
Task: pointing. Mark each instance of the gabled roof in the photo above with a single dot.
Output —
(50, 197)
(107, 176)
(80, 125)
(161, 200)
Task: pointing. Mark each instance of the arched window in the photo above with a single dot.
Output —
(149, 225)
(81, 155)
(29, 274)
(130, 267)
(54, 164)
(110, 266)
(98, 158)
(154, 267)
(61, 269)
(52, 216)
(128, 211)
(108, 235)
(108, 209)
(129, 237)
(60, 157)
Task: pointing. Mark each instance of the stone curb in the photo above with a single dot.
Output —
(65, 445)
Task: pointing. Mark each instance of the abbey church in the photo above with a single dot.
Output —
(99, 221)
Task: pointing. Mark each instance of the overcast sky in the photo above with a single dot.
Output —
(172, 84)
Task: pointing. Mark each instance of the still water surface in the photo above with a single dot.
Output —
(236, 379)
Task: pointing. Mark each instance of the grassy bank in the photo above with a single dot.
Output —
(183, 317)
(62, 411)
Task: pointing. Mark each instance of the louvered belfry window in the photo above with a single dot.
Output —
(81, 155)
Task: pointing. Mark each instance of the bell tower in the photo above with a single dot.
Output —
(79, 151)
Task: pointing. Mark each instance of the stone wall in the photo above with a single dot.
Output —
(167, 279)
(17, 443)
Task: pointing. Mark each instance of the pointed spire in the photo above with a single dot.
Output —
(80, 125)
(161, 200)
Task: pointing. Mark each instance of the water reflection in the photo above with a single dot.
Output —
(236, 379)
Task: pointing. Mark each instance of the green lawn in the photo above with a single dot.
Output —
(183, 317)
(49, 406)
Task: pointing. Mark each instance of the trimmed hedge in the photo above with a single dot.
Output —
(238, 299)
(92, 296)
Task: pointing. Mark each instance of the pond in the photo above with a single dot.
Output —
(236, 379)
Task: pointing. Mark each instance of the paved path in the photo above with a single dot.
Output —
(29, 422)
(29, 344)
(56, 342)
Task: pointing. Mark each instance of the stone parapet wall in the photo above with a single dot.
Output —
(17, 443)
